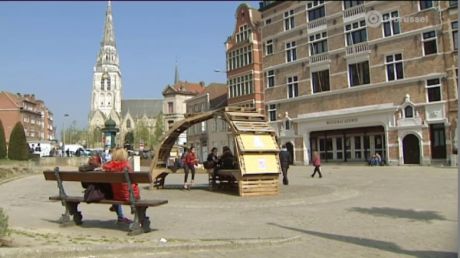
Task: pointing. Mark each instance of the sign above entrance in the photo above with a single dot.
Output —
(342, 121)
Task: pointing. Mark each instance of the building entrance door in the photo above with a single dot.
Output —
(290, 149)
(411, 149)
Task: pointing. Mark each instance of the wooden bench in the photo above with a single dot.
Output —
(224, 177)
(141, 222)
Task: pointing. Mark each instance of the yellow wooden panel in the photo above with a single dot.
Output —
(260, 163)
(252, 142)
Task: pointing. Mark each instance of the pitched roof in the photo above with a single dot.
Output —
(138, 107)
(186, 88)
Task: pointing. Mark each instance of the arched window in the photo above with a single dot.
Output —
(102, 83)
(108, 83)
(287, 124)
(408, 112)
(128, 124)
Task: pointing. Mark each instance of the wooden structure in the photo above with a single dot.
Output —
(256, 149)
(141, 222)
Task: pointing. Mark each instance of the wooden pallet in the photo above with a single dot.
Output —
(258, 185)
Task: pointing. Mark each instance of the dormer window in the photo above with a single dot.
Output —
(408, 112)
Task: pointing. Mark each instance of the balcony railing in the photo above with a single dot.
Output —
(317, 23)
(319, 58)
(360, 48)
(347, 13)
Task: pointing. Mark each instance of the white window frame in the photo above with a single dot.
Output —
(271, 108)
(292, 87)
(420, 5)
(392, 20)
(454, 37)
(288, 21)
(315, 39)
(360, 26)
(394, 62)
(270, 74)
(312, 5)
(343, 5)
(429, 40)
(438, 85)
(269, 46)
(291, 52)
(311, 80)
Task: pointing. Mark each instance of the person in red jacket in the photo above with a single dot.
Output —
(190, 162)
(317, 163)
(120, 190)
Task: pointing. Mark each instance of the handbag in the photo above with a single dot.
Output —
(208, 164)
(93, 194)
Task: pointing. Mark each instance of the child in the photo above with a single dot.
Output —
(317, 163)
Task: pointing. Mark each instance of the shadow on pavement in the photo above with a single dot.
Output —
(400, 213)
(377, 244)
(99, 224)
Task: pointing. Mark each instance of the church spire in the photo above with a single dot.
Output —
(176, 75)
(109, 34)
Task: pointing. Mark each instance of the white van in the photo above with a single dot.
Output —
(73, 149)
(41, 148)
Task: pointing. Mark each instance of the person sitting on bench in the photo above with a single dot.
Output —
(120, 190)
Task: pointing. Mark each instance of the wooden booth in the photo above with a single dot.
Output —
(255, 145)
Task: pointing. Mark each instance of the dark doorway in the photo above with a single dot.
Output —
(290, 149)
(411, 149)
(438, 141)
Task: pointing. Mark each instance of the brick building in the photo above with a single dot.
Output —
(244, 60)
(211, 133)
(352, 78)
(31, 112)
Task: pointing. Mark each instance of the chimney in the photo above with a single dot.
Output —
(202, 84)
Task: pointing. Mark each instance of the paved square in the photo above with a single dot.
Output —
(353, 211)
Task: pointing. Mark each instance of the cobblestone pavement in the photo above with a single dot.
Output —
(353, 211)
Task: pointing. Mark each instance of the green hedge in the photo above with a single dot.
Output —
(2, 141)
(18, 149)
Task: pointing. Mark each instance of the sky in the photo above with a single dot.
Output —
(49, 48)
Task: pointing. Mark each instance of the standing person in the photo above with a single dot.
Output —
(190, 162)
(285, 160)
(317, 163)
(120, 190)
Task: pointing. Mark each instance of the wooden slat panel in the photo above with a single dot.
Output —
(99, 177)
(149, 203)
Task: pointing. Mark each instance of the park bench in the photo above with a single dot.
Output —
(141, 222)
(224, 177)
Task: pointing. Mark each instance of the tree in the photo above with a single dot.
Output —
(129, 138)
(159, 129)
(18, 149)
(141, 134)
(2, 142)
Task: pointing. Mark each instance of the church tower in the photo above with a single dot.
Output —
(107, 85)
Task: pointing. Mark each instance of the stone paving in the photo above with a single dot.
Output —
(353, 211)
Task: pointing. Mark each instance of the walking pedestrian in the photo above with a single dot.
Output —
(317, 163)
(285, 160)
(190, 162)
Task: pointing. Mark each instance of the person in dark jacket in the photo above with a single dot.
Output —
(285, 160)
(227, 160)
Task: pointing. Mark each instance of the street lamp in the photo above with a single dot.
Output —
(63, 133)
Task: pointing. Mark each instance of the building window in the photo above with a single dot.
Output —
(170, 107)
(240, 86)
(289, 20)
(269, 47)
(359, 73)
(351, 3)
(455, 34)
(170, 124)
(272, 112)
(293, 87)
(429, 43)
(453, 3)
(318, 43)
(291, 53)
(243, 33)
(391, 24)
(425, 4)
(320, 81)
(434, 90)
(268, 21)
(356, 32)
(408, 112)
(270, 79)
(287, 124)
(394, 67)
(128, 124)
(316, 10)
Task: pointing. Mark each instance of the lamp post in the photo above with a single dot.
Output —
(63, 134)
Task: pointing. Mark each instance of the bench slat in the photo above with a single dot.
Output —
(150, 203)
(98, 177)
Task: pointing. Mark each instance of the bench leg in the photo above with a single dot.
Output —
(71, 209)
(141, 223)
